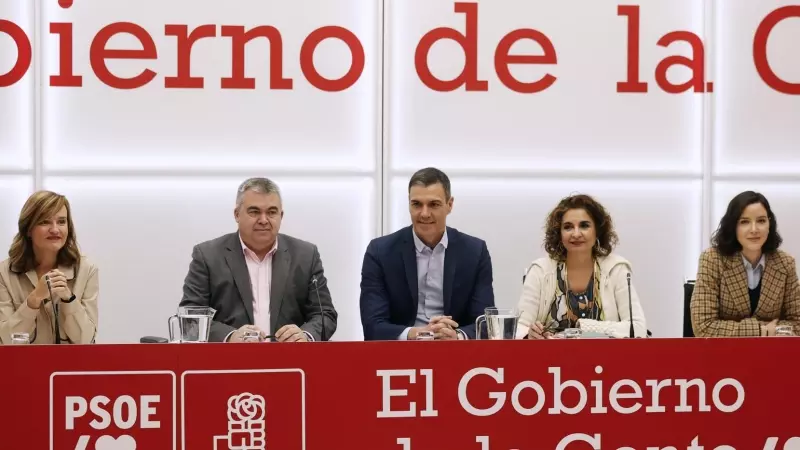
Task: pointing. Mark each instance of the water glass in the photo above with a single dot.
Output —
(784, 330)
(425, 336)
(251, 336)
(573, 333)
(20, 338)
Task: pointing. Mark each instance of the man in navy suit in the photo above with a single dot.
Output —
(428, 276)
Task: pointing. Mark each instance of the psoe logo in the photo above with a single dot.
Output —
(246, 424)
(113, 410)
(256, 409)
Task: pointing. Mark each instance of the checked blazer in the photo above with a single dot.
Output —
(720, 304)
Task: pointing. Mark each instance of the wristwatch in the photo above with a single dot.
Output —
(71, 299)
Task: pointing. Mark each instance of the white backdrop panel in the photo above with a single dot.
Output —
(579, 123)
(96, 126)
(16, 101)
(651, 218)
(756, 126)
(782, 198)
(141, 232)
(15, 190)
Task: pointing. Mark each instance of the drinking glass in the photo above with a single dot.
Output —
(20, 338)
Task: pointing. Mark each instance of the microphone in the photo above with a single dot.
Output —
(630, 304)
(319, 301)
(55, 310)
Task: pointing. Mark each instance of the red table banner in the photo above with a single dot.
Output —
(582, 394)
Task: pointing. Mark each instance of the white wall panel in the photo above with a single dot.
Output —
(15, 190)
(756, 126)
(783, 199)
(579, 123)
(152, 127)
(658, 223)
(16, 101)
(141, 232)
(101, 145)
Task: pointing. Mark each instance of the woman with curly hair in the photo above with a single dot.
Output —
(745, 286)
(581, 284)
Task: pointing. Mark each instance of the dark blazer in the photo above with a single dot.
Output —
(218, 278)
(389, 291)
(720, 304)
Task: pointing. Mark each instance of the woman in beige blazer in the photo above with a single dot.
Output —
(745, 285)
(581, 284)
(45, 266)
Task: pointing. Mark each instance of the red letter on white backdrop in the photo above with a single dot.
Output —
(468, 42)
(696, 64)
(760, 49)
(99, 53)
(65, 76)
(633, 83)
(502, 59)
(186, 40)
(240, 38)
(24, 53)
(307, 58)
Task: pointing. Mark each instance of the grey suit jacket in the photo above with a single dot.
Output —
(218, 278)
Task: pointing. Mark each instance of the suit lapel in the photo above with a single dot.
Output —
(451, 257)
(772, 281)
(241, 276)
(281, 262)
(410, 262)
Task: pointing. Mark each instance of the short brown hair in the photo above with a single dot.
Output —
(606, 236)
(42, 205)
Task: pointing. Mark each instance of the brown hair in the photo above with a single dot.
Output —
(40, 206)
(606, 236)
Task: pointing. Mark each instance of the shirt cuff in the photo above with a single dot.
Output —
(309, 336)
(461, 335)
(228, 336)
(404, 335)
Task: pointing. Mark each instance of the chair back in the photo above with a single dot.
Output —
(688, 289)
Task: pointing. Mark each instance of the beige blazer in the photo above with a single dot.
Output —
(77, 319)
(721, 303)
(538, 294)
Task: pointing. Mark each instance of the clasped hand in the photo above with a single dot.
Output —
(287, 333)
(443, 328)
(58, 286)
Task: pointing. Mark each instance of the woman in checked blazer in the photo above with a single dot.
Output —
(745, 286)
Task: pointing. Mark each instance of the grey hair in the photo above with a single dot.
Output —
(260, 185)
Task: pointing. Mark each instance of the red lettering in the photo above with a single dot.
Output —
(186, 40)
(307, 59)
(24, 53)
(502, 59)
(98, 54)
(760, 50)
(239, 39)
(468, 42)
(696, 64)
(65, 76)
(633, 83)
